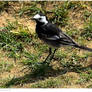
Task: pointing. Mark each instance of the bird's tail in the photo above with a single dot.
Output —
(84, 48)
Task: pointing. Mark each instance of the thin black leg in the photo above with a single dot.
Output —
(53, 55)
(50, 52)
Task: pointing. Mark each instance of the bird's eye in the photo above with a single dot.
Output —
(39, 18)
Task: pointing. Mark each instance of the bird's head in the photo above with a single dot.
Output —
(40, 18)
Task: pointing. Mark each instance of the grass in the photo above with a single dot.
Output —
(3, 5)
(33, 9)
(5, 66)
(12, 38)
(68, 67)
(51, 83)
(60, 14)
(87, 33)
(85, 77)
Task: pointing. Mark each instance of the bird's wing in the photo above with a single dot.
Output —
(66, 40)
(54, 33)
(54, 37)
(51, 31)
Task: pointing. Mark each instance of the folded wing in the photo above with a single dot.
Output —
(56, 34)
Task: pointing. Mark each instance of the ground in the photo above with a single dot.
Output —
(21, 50)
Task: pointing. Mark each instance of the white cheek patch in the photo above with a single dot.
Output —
(37, 16)
(44, 20)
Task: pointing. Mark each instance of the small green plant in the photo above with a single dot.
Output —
(32, 9)
(37, 68)
(89, 86)
(5, 66)
(51, 83)
(12, 38)
(76, 5)
(74, 33)
(30, 58)
(3, 5)
(60, 56)
(85, 77)
(3, 81)
(9, 43)
(60, 15)
(87, 32)
(87, 14)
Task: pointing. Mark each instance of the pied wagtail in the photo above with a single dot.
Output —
(52, 35)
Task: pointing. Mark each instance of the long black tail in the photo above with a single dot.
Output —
(85, 48)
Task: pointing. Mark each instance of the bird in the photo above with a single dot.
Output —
(52, 35)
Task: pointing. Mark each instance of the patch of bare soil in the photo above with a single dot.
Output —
(29, 23)
(75, 78)
(76, 19)
(4, 16)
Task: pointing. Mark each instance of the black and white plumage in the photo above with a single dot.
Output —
(52, 35)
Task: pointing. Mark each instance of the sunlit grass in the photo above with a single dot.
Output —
(16, 42)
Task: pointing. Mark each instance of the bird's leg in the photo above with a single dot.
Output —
(50, 52)
(53, 55)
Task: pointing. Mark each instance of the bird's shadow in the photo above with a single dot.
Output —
(43, 71)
